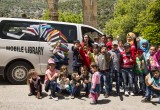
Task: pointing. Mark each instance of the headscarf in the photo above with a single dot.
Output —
(141, 45)
(132, 36)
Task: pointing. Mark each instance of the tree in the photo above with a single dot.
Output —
(125, 16)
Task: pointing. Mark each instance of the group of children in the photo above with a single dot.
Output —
(95, 66)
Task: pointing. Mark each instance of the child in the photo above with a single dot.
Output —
(64, 70)
(85, 55)
(144, 46)
(86, 79)
(94, 55)
(153, 86)
(51, 75)
(58, 55)
(103, 64)
(127, 68)
(115, 66)
(77, 60)
(75, 85)
(153, 59)
(139, 72)
(120, 46)
(34, 84)
(95, 86)
(64, 83)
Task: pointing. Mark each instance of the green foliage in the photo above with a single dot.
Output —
(125, 17)
(65, 17)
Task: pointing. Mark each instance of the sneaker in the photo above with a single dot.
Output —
(72, 97)
(145, 100)
(106, 95)
(132, 94)
(126, 93)
(30, 94)
(93, 102)
(55, 98)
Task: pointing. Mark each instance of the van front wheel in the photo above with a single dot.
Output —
(17, 72)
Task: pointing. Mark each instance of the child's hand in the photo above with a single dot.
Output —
(77, 84)
(85, 81)
(131, 60)
(147, 77)
(112, 56)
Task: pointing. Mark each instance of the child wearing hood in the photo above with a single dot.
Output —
(144, 46)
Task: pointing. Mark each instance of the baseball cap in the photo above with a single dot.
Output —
(127, 45)
(115, 43)
(51, 60)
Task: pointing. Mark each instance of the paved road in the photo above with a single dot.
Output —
(14, 97)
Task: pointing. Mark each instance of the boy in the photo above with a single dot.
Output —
(77, 61)
(115, 66)
(103, 64)
(127, 68)
(153, 86)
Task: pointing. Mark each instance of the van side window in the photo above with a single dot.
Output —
(17, 30)
(89, 31)
(69, 31)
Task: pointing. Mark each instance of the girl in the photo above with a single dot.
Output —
(75, 85)
(87, 41)
(120, 45)
(34, 84)
(86, 79)
(58, 55)
(64, 83)
(64, 70)
(51, 75)
(95, 86)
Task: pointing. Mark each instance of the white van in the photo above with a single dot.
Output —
(23, 45)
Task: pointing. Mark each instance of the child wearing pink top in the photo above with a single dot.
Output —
(154, 58)
(95, 86)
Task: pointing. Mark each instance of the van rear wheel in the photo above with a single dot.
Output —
(17, 72)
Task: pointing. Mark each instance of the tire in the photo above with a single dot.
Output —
(17, 72)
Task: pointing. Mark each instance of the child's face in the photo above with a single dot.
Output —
(85, 48)
(34, 75)
(83, 71)
(95, 50)
(58, 45)
(77, 77)
(139, 55)
(127, 49)
(152, 50)
(156, 74)
(77, 45)
(93, 69)
(103, 50)
(52, 66)
(144, 45)
(120, 44)
(115, 47)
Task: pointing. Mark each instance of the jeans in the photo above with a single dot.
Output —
(127, 73)
(53, 88)
(117, 79)
(141, 83)
(149, 91)
(86, 87)
(105, 81)
(75, 90)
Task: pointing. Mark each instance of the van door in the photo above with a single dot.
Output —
(58, 30)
